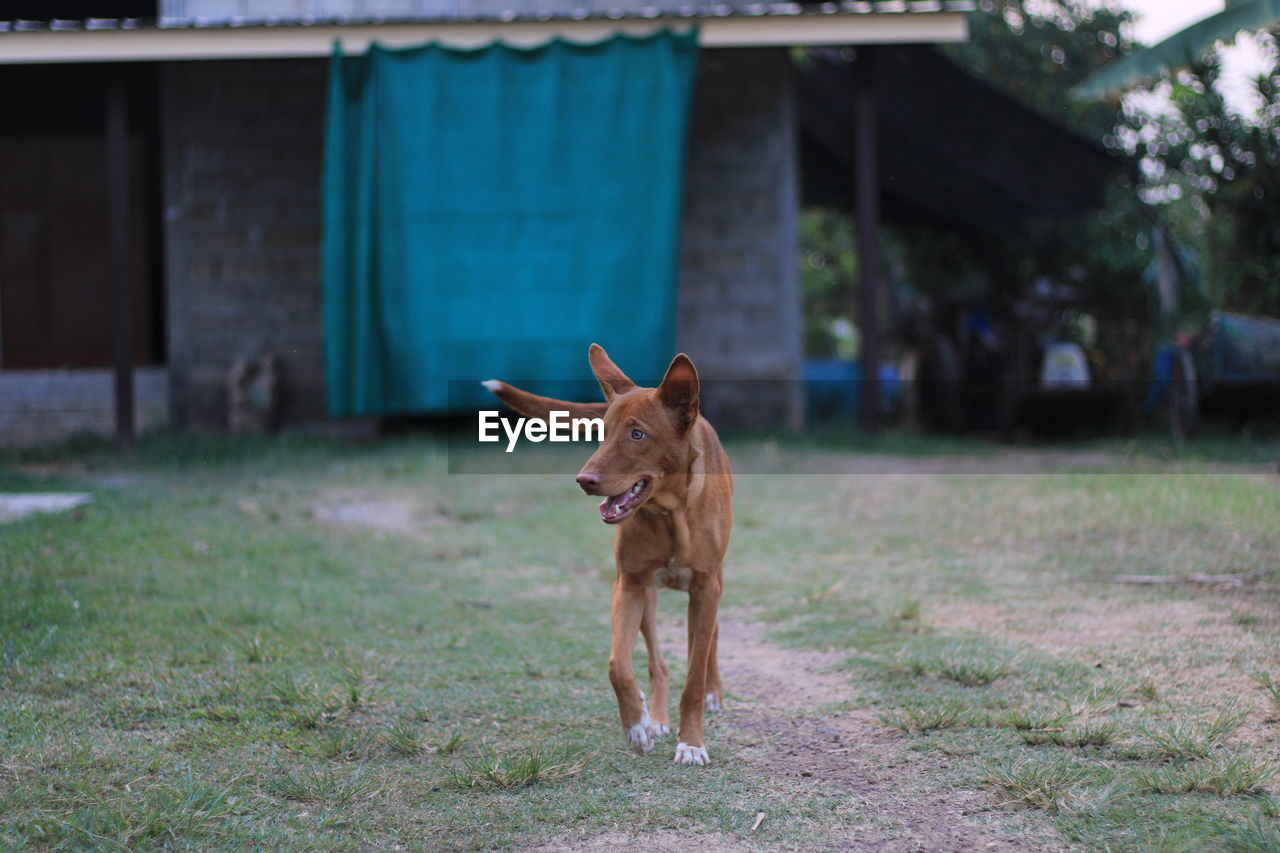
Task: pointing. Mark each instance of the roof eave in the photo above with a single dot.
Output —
(317, 40)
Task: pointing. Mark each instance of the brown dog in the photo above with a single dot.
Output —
(666, 483)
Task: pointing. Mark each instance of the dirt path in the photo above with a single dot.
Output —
(780, 694)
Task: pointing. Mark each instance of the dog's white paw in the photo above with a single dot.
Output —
(713, 703)
(656, 730)
(697, 755)
(639, 738)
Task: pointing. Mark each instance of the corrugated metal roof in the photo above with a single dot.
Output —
(188, 14)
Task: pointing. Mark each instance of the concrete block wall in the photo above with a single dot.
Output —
(42, 406)
(740, 311)
(243, 143)
(242, 150)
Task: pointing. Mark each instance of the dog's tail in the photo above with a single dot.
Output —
(533, 406)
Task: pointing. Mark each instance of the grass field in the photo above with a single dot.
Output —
(303, 644)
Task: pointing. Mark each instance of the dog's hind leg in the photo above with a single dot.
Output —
(715, 690)
(626, 615)
(658, 677)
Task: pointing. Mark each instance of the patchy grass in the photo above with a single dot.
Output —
(403, 738)
(1037, 719)
(1269, 686)
(1088, 734)
(973, 668)
(968, 664)
(1039, 783)
(334, 787)
(447, 743)
(152, 814)
(1225, 775)
(1192, 739)
(207, 659)
(534, 767)
(928, 718)
(1019, 626)
(1257, 835)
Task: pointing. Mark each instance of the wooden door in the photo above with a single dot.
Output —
(55, 287)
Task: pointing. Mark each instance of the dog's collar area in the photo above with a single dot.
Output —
(616, 508)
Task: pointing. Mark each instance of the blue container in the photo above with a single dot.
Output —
(831, 388)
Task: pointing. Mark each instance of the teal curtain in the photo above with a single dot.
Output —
(489, 213)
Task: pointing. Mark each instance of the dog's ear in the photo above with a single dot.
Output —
(679, 390)
(612, 380)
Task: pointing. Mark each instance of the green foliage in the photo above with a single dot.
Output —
(827, 276)
(1037, 51)
(1214, 165)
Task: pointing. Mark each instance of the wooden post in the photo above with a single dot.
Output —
(118, 255)
(867, 182)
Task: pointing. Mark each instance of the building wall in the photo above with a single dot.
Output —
(740, 310)
(42, 406)
(242, 197)
(242, 143)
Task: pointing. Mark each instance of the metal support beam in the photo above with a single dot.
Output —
(118, 252)
(867, 178)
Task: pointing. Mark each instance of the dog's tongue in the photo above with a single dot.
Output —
(612, 507)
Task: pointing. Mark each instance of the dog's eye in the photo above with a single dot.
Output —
(637, 434)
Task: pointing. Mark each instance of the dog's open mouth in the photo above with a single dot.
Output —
(618, 507)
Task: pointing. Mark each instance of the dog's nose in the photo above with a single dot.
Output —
(590, 481)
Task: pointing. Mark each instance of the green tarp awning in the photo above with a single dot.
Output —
(1186, 47)
(490, 213)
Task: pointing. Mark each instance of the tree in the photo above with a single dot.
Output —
(1038, 50)
(1212, 166)
(827, 265)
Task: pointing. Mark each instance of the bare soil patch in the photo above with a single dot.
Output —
(16, 506)
(388, 516)
(1109, 633)
(1093, 623)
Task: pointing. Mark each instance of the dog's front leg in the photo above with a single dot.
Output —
(704, 602)
(626, 613)
(658, 674)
